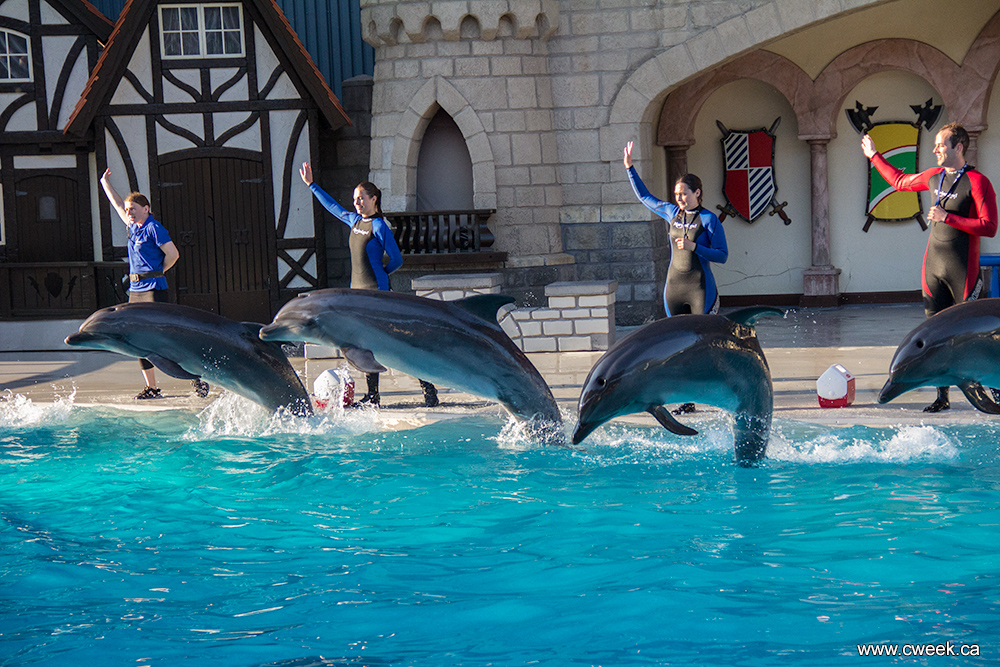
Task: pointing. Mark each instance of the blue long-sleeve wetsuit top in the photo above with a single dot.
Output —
(690, 285)
(370, 239)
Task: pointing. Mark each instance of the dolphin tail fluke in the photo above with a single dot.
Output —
(667, 421)
(363, 360)
(749, 316)
(980, 399)
(171, 368)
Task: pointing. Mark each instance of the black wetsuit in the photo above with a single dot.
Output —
(951, 261)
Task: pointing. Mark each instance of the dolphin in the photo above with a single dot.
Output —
(700, 358)
(958, 346)
(454, 343)
(189, 343)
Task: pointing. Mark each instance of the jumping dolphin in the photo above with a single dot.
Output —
(958, 346)
(189, 343)
(454, 343)
(700, 358)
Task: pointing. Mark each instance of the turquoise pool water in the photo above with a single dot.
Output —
(229, 538)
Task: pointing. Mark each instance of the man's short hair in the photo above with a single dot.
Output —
(958, 136)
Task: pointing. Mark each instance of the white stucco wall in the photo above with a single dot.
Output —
(889, 256)
(766, 257)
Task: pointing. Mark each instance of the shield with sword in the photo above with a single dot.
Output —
(749, 185)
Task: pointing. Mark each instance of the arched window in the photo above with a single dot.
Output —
(15, 59)
(444, 167)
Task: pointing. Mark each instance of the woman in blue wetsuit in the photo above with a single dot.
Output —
(696, 237)
(371, 238)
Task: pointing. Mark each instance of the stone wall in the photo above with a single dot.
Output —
(546, 93)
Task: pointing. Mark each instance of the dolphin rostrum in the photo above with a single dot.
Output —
(958, 346)
(454, 343)
(189, 343)
(698, 358)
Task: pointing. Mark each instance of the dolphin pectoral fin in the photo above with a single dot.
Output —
(749, 316)
(484, 306)
(667, 421)
(363, 360)
(171, 368)
(980, 399)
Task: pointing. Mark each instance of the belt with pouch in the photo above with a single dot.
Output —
(149, 275)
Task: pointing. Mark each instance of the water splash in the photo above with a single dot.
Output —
(860, 444)
(232, 415)
(17, 411)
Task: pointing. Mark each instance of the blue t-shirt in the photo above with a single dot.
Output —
(144, 254)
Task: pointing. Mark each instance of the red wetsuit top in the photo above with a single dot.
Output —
(951, 261)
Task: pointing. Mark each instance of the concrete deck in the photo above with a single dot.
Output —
(799, 348)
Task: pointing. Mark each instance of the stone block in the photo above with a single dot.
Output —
(602, 313)
(545, 314)
(574, 344)
(505, 66)
(526, 149)
(577, 288)
(560, 301)
(523, 314)
(557, 328)
(521, 93)
(576, 313)
(465, 281)
(540, 344)
(588, 326)
(597, 301)
(473, 67)
(530, 328)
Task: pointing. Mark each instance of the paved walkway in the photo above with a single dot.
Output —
(799, 348)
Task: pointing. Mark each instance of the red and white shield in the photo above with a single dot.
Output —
(749, 185)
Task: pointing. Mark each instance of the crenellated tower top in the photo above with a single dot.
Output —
(390, 22)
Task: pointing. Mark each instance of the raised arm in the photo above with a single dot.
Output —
(116, 201)
(324, 198)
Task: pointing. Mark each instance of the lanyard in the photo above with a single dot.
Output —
(952, 188)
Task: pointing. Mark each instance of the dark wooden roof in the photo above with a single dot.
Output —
(136, 16)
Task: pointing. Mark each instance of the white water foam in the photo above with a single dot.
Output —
(17, 411)
(902, 444)
(234, 415)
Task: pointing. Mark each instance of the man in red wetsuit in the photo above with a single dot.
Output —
(965, 208)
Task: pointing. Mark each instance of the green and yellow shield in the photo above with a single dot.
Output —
(897, 142)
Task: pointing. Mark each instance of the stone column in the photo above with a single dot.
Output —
(820, 282)
(973, 153)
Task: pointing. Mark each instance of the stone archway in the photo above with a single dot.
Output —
(439, 94)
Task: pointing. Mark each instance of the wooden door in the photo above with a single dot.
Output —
(49, 228)
(214, 208)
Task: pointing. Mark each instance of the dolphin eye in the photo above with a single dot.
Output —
(919, 343)
(600, 382)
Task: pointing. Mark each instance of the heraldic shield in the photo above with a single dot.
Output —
(749, 183)
(897, 142)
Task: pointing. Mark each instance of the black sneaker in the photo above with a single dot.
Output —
(367, 399)
(200, 387)
(148, 392)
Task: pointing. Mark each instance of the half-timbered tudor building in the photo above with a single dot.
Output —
(209, 108)
(47, 51)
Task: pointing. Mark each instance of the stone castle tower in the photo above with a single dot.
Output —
(486, 64)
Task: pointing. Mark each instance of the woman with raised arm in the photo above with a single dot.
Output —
(697, 239)
(371, 239)
(150, 254)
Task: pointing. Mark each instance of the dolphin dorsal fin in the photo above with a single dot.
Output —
(667, 421)
(484, 306)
